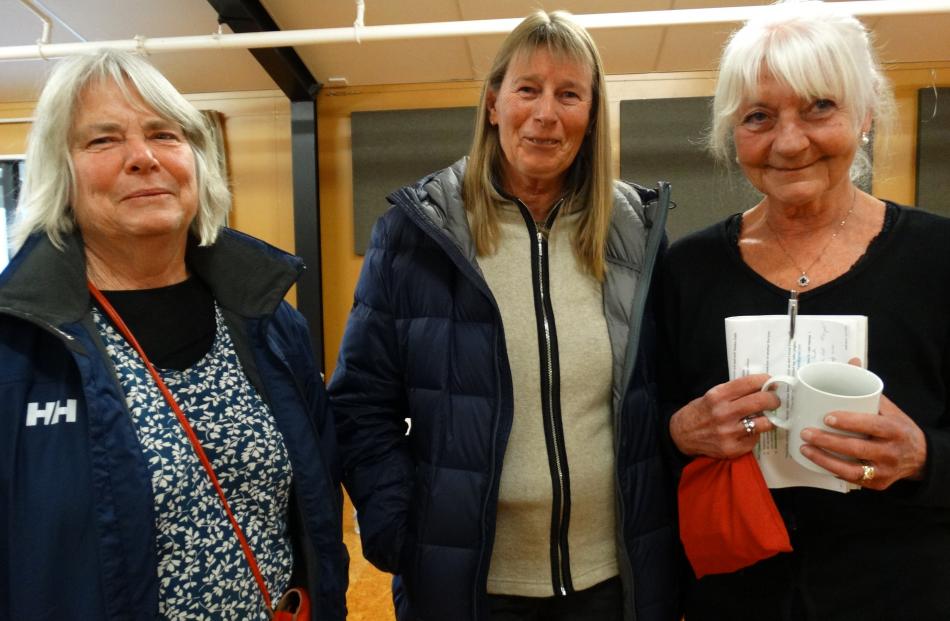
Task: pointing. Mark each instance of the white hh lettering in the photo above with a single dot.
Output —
(51, 414)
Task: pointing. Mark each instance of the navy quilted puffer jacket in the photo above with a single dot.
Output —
(425, 341)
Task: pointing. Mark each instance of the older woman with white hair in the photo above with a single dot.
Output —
(799, 91)
(166, 453)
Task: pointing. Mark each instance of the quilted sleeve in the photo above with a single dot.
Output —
(368, 401)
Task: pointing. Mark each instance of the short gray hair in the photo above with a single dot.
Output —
(50, 182)
(818, 51)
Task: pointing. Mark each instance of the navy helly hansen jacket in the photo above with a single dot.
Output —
(77, 535)
(425, 341)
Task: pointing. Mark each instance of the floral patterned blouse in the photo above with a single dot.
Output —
(202, 572)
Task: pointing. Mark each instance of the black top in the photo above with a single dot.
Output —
(865, 554)
(175, 325)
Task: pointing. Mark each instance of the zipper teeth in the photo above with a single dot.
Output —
(555, 441)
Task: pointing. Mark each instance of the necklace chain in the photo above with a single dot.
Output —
(803, 279)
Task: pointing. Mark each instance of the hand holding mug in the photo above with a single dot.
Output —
(841, 437)
(724, 423)
(893, 444)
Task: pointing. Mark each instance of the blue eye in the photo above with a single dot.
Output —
(755, 117)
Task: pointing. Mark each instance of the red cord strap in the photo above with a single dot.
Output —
(248, 554)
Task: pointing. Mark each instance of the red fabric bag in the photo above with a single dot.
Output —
(728, 519)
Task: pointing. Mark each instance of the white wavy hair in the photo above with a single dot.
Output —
(50, 181)
(817, 50)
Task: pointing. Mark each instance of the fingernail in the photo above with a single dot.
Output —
(831, 420)
(806, 435)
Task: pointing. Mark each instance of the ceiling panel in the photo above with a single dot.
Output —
(692, 48)
(493, 9)
(629, 50)
(704, 4)
(390, 62)
(126, 19)
(377, 62)
(297, 14)
(103, 20)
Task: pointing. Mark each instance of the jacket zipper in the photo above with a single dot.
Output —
(551, 407)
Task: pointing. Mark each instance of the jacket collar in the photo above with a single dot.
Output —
(46, 283)
(438, 197)
(245, 275)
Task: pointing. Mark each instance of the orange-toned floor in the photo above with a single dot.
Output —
(369, 597)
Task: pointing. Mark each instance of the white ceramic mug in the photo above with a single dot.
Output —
(817, 389)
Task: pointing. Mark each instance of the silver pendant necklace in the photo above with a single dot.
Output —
(803, 279)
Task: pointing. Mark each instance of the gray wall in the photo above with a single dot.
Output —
(660, 139)
(394, 148)
(933, 150)
(663, 139)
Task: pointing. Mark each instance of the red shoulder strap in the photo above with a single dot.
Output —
(195, 443)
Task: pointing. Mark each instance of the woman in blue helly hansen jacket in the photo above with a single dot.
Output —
(140, 341)
(76, 519)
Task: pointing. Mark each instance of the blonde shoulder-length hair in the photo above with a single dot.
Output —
(50, 181)
(589, 182)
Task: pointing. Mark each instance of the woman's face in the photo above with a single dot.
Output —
(794, 151)
(135, 171)
(542, 111)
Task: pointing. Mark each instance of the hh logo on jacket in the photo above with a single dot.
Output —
(50, 413)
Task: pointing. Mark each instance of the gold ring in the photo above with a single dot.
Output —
(867, 472)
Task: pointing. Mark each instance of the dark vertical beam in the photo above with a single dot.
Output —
(303, 122)
(289, 72)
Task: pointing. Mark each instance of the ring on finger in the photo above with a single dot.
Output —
(867, 472)
(748, 423)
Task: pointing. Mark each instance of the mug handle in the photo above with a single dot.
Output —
(775, 419)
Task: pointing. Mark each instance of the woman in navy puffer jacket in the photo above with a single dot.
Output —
(504, 308)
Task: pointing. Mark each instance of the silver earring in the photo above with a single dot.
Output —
(865, 139)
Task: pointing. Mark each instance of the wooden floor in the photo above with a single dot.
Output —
(369, 597)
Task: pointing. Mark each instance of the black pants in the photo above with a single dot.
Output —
(601, 602)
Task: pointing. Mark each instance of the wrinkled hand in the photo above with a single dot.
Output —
(712, 424)
(895, 446)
